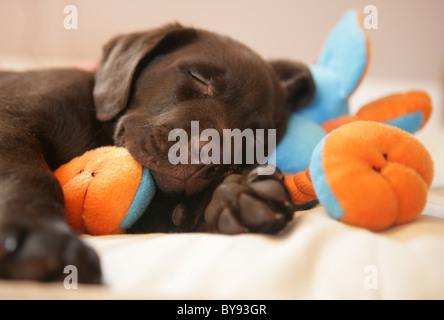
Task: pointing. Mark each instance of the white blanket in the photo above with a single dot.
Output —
(314, 258)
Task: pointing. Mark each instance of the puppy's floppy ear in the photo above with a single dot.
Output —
(122, 59)
(298, 81)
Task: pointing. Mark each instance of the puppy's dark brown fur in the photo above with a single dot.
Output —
(146, 85)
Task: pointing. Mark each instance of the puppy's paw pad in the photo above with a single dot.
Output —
(253, 203)
(228, 224)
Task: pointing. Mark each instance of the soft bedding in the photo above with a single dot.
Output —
(314, 258)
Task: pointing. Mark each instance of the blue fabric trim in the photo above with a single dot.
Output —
(322, 189)
(409, 122)
(143, 197)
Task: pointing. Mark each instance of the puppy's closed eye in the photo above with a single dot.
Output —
(192, 85)
(201, 83)
(200, 79)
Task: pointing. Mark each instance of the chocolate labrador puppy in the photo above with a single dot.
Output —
(146, 85)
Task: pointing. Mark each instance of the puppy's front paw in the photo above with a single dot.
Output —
(255, 203)
(29, 252)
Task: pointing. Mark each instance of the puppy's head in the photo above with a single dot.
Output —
(157, 81)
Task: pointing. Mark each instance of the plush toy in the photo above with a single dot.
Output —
(365, 173)
(105, 191)
(338, 72)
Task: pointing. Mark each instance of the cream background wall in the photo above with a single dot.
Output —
(408, 45)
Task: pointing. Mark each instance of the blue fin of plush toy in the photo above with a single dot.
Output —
(345, 51)
(294, 151)
(340, 68)
(142, 199)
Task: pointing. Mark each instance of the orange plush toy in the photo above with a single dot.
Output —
(105, 191)
(368, 174)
